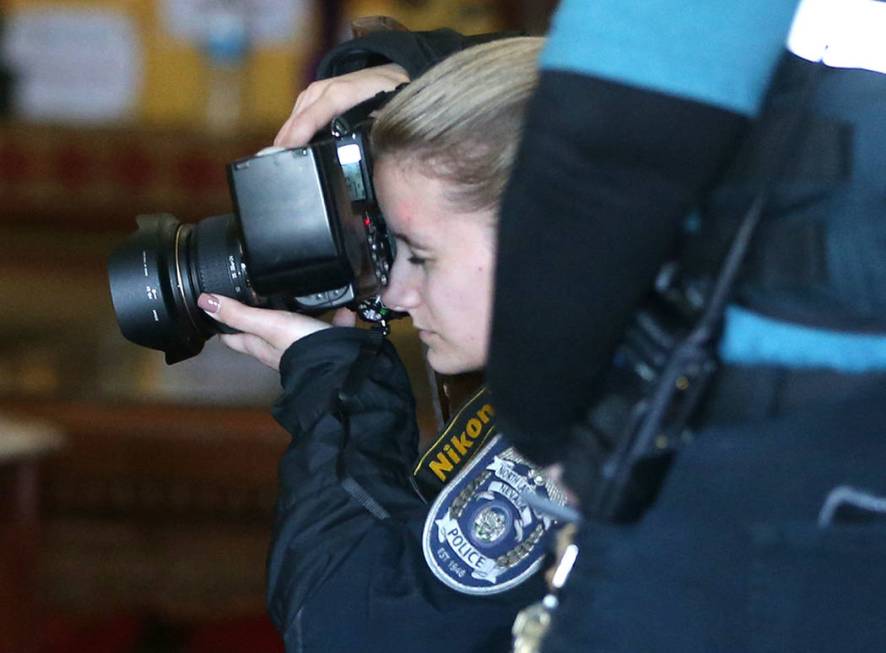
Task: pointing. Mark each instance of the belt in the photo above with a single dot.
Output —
(742, 393)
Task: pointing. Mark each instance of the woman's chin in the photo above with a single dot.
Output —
(440, 367)
(449, 365)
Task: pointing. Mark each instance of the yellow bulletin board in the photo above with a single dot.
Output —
(465, 16)
(175, 72)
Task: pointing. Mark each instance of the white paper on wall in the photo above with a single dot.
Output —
(269, 22)
(73, 64)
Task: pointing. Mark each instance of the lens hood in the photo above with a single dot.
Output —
(153, 294)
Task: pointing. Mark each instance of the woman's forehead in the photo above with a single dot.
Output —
(419, 208)
(412, 202)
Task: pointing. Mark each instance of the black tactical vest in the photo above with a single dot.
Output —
(819, 255)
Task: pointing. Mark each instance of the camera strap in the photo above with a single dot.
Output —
(466, 433)
(346, 403)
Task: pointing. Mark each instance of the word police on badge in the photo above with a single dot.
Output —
(481, 537)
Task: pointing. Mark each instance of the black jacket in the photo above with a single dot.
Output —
(339, 578)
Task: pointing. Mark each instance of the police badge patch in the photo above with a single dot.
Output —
(480, 536)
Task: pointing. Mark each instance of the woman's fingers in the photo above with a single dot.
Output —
(323, 100)
(344, 317)
(252, 345)
(237, 316)
(316, 107)
(285, 137)
(264, 334)
(278, 328)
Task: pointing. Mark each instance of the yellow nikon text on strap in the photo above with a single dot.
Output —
(465, 434)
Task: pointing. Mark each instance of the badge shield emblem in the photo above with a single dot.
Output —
(480, 536)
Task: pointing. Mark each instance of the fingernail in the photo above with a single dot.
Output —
(208, 303)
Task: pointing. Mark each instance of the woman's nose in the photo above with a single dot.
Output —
(401, 292)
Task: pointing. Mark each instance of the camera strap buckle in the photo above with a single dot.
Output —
(374, 311)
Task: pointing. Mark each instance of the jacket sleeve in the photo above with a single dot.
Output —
(339, 578)
(636, 114)
(317, 521)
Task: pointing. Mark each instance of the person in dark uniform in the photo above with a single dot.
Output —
(359, 561)
(654, 129)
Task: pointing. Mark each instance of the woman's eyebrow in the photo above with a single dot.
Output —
(412, 244)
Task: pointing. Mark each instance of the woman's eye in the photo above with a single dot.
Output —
(417, 260)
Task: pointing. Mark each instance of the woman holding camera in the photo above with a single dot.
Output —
(359, 562)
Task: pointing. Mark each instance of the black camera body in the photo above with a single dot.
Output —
(329, 255)
(306, 235)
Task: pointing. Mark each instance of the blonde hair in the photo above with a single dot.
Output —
(463, 118)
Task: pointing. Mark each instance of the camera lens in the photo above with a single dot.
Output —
(157, 274)
(215, 258)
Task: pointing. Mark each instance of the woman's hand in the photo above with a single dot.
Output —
(265, 333)
(325, 99)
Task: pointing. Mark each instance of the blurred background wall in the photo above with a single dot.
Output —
(136, 498)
